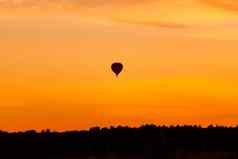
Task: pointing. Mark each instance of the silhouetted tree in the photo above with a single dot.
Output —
(147, 141)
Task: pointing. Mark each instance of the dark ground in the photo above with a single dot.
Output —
(145, 142)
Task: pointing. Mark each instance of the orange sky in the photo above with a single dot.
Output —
(180, 62)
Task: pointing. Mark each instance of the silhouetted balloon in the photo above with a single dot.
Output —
(117, 68)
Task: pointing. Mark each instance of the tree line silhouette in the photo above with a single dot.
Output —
(147, 141)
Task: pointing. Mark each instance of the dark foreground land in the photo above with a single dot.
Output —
(145, 142)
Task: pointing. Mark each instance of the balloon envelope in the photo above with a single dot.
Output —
(117, 68)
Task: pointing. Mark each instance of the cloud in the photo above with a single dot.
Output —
(155, 24)
(228, 5)
(182, 14)
(75, 3)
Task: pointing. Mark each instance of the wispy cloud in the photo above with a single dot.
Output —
(229, 5)
(154, 24)
(65, 3)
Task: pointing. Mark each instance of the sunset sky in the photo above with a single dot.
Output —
(180, 63)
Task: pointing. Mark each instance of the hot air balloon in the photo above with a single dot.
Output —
(117, 68)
